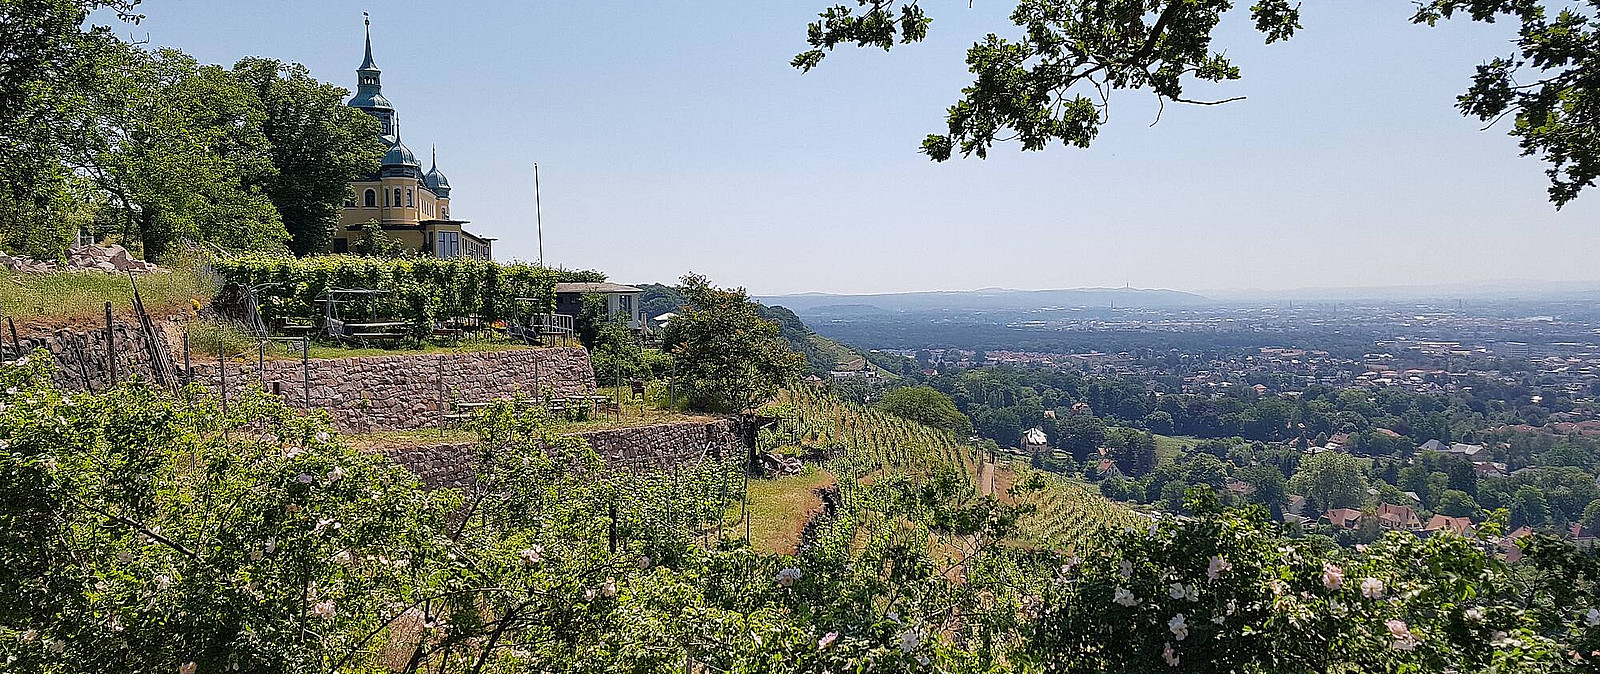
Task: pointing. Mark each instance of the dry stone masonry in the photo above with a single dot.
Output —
(111, 259)
(410, 391)
(449, 464)
(84, 357)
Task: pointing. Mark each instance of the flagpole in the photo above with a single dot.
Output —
(538, 212)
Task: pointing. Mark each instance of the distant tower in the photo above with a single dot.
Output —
(369, 89)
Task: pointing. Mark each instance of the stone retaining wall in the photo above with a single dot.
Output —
(82, 360)
(410, 391)
(449, 464)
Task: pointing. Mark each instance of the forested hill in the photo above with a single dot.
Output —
(822, 354)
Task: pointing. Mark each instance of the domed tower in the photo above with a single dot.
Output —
(369, 89)
(398, 162)
(439, 185)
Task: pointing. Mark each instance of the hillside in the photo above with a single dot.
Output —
(822, 354)
(988, 299)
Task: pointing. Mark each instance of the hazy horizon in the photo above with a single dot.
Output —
(673, 140)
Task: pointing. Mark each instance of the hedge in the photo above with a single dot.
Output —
(421, 291)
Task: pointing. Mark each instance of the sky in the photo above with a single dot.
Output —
(675, 137)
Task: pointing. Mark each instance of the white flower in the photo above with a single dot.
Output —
(1404, 640)
(827, 641)
(1169, 656)
(125, 557)
(588, 595)
(610, 588)
(1232, 606)
(644, 562)
(187, 668)
(344, 557)
(1217, 619)
(893, 616)
(1217, 567)
(1276, 586)
(1332, 576)
(1372, 588)
(3, 444)
(323, 609)
(911, 639)
(1127, 569)
(1176, 591)
(30, 635)
(1502, 640)
(1336, 607)
(1592, 617)
(1179, 627)
(532, 556)
(304, 478)
(272, 545)
(788, 576)
(1124, 597)
(325, 523)
(56, 647)
(336, 474)
(163, 582)
(322, 436)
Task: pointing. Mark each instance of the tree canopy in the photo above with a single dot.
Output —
(727, 357)
(1054, 81)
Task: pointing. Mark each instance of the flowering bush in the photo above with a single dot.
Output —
(145, 533)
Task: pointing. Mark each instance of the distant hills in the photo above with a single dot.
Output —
(988, 299)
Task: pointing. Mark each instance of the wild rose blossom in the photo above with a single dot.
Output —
(304, 478)
(1592, 617)
(1124, 597)
(323, 609)
(1179, 627)
(588, 595)
(1332, 576)
(911, 639)
(644, 562)
(532, 556)
(1217, 567)
(788, 576)
(610, 588)
(336, 474)
(1126, 569)
(188, 668)
(1168, 655)
(1404, 640)
(163, 582)
(1372, 588)
(827, 641)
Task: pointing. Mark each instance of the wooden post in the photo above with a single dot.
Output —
(261, 362)
(305, 369)
(188, 369)
(14, 341)
(111, 346)
(222, 371)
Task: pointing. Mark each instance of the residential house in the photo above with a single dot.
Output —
(1398, 517)
(1034, 441)
(1108, 469)
(1432, 446)
(1469, 452)
(1460, 526)
(1343, 518)
(1508, 545)
(622, 302)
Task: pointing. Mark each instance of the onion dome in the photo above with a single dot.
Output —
(435, 180)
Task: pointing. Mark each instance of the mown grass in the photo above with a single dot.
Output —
(75, 296)
(778, 509)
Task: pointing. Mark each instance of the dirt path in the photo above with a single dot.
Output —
(986, 479)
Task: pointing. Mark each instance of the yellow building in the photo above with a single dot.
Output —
(410, 206)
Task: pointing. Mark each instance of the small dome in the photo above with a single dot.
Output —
(370, 100)
(435, 179)
(400, 155)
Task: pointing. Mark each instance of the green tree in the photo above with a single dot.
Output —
(1054, 82)
(727, 358)
(927, 406)
(1529, 508)
(1081, 434)
(1270, 488)
(317, 144)
(1457, 503)
(1331, 480)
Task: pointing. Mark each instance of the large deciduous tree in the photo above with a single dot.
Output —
(726, 357)
(1054, 82)
(926, 406)
(317, 144)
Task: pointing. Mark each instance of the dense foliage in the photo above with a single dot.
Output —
(726, 356)
(420, 291)
(926, 406)
(150, 533)
(153, 147)
(1054, 82)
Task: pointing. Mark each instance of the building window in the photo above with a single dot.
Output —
(408, 198)
(625, 303)
(372, 199)
(396, 197)
(449, 245)
(341, 245)
(445, 213)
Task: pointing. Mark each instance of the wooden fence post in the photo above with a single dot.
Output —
(111, 346)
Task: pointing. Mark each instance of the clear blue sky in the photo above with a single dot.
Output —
(674, 137)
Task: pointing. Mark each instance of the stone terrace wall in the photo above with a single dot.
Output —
(411, 391)
(81, 354)
(449, 464)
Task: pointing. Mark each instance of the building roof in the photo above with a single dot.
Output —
(1460, 525)
(1034, 436)
(1343, 518)
(400, 155)
(595, 288)
(435, 179)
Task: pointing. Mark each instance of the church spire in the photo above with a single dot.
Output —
(367, 64)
